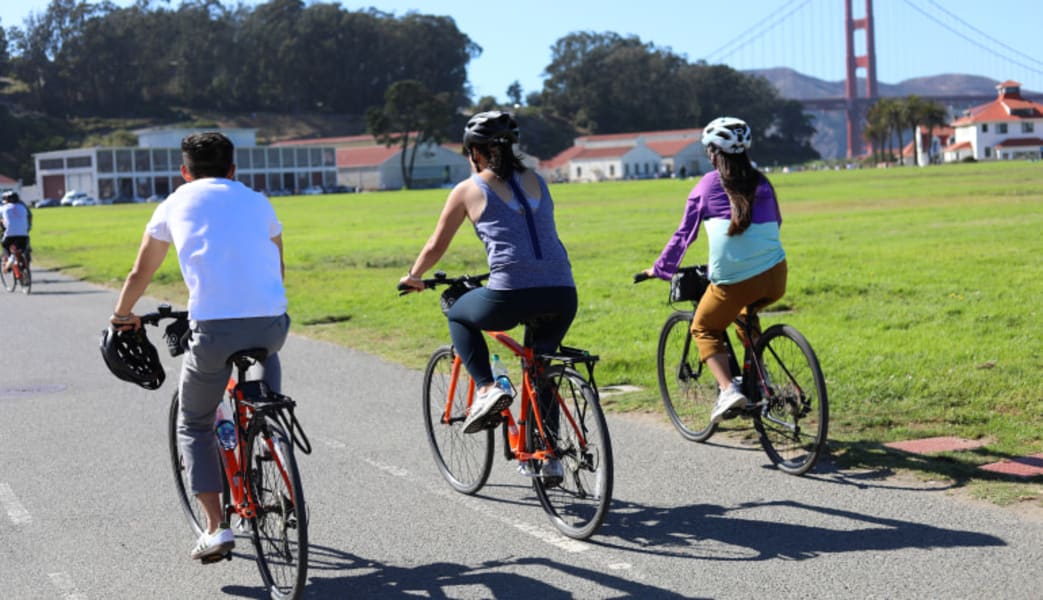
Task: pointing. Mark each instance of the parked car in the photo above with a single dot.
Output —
(312, 191)
(74, 198)
(47, 203)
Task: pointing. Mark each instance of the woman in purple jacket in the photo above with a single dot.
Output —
(747, 265)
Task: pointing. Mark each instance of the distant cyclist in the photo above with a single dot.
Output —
(737, 205)
(530, 275)
(229, 246)
(16, 220)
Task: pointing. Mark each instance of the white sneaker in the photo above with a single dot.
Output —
(729, 398)
(486, 409)
(220, 542)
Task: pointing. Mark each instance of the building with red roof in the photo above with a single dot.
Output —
(1008, 128)
(640, 155)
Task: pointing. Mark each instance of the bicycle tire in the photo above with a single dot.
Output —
(189, 504)
(687, 387)
(577, 506)
(8, 280)
(280, 527)
(27, 279)
(793, 421)
(463, 459)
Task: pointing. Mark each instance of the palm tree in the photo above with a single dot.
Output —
(934, 114)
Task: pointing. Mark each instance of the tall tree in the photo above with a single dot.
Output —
(411, 117)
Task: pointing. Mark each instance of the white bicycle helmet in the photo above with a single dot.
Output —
(730, 135)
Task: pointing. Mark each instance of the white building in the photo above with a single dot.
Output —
(640, 155)
(153, 168)
(1008, 128)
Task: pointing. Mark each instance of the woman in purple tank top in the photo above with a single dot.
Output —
(529, 272)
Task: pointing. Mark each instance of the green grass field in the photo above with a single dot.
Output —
(920, 290)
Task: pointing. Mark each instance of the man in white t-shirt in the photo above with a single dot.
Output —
(229, 247)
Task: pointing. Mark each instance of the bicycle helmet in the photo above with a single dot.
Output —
(728, 134)
(491, 127)
(131, 357)
(11, 196)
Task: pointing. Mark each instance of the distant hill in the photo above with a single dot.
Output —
(831, 139)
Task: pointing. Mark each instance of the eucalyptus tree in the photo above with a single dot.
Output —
(411, 116)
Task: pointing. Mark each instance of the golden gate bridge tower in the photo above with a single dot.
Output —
(856, 106)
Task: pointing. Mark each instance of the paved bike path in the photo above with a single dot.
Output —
(87, 506)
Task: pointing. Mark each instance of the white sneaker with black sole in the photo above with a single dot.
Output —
(217, 543)
(729, 398)
(486, 409)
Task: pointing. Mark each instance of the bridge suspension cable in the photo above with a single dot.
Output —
(744, 38)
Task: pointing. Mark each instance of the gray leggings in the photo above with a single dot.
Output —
(204, 374)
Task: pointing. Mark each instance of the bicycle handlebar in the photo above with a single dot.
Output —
(163, 311)
(440, 278)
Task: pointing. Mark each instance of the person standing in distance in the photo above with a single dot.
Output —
(747, 265)
(229, 247)
(530, 274)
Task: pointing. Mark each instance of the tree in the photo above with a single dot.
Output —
(933, 115)
(411, 117)
(514, 93)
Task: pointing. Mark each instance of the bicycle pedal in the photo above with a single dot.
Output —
(206, 560)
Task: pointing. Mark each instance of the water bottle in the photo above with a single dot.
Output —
(500, 376)
(225, 430)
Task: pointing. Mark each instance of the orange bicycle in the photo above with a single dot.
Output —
(262, 485)
(20, 272)
(570, 428)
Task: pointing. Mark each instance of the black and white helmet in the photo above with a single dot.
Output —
(728, 134)
(490, 127)
(131, 357)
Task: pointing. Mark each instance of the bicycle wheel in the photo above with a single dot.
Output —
(687, 387)
(193, 509)
(464, 459)
(8, 280)
(27, 279)
(794, 419)
(280, 529)
(578, 504)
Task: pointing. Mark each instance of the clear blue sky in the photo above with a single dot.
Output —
(998, 39)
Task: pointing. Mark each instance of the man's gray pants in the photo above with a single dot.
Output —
(204, 375)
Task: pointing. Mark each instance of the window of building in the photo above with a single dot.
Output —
(123, 161)
(316, 157)
(162, 185)
(257, 157)
(142, 162)
(143, 187)
(1001, 128)
(984, 127)
(274, 158)
(242, 158)
(329, 158)
(988, 152)
(104, 161)
(78, 162)
(289, 157)
(160, 160)
(52, 163)
(1027, 127)
(612, 170)
(579, 171)
(106, 187)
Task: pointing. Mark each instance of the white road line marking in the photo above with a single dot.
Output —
(15, 511)
(64, 583)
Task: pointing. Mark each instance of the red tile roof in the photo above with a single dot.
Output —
(1017, 142)
(367, 156)
(607, 137)
(596, 153)
(672, 147)
(959, 146)
(1003, 107)
(562, 158)
(4, 179)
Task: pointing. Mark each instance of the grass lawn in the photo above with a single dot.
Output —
(920, 290)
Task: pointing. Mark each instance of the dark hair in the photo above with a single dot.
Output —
(207, 154)
(502, 159)
(740, 180)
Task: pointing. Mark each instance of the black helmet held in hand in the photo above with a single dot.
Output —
(131, 357)
(490, 127)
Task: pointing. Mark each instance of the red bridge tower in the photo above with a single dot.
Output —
(856, 106)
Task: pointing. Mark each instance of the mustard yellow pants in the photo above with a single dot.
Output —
(721, 304)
